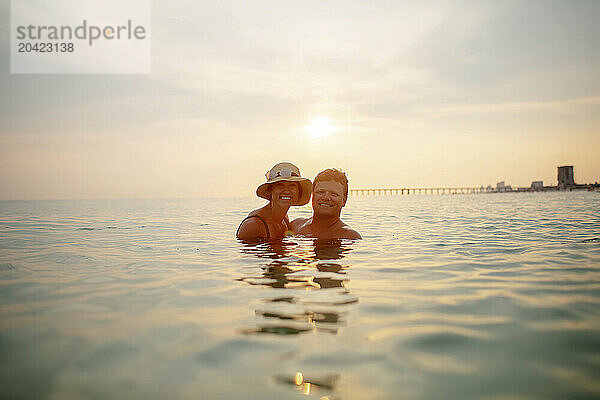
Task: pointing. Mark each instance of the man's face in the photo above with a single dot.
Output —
(284, 193)
(328, 198)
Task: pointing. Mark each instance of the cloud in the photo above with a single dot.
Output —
(233, 83)
(560, 106)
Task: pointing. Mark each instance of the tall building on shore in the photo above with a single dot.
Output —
(566, 178)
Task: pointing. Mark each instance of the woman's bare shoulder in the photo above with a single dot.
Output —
(252, 228)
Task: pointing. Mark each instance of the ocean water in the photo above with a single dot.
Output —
(487, 296)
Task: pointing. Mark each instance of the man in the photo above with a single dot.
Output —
(329, 195)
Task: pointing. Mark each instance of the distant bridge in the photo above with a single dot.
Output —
(401, 191)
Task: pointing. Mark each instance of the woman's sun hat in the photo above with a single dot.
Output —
(288, 172)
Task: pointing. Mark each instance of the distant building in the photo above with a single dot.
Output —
(537, 185)
(566, 178)
(503, 187)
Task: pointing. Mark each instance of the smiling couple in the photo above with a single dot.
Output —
(285, 188)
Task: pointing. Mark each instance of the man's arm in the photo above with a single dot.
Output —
(252, 229)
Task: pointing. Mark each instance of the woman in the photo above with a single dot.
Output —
(284, 188)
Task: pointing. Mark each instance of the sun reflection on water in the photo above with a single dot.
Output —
(313, 384)
(315, 300)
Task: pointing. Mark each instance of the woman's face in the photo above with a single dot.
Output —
(284, 194)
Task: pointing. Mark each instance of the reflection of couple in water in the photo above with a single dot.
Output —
(301, 268)
(285, 188)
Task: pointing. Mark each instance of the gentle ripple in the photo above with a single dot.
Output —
(449, 296)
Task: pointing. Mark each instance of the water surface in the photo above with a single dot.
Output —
(456, 296)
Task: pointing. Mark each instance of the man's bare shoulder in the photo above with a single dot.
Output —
(348, 233)
(298, 223)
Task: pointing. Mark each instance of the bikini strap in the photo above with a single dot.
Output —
(255, 216)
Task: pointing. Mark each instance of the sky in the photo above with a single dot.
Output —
(395, 93)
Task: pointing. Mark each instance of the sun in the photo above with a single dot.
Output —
(320, 127)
